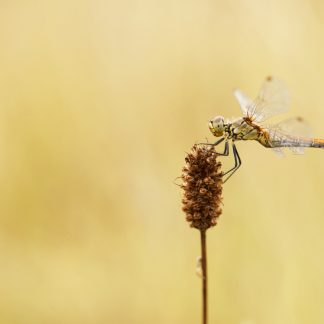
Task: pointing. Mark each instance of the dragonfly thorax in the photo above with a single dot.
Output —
(236, 129)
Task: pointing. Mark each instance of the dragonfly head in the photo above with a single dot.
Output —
(217, 126)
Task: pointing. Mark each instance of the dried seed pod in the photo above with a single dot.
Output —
(202, 185)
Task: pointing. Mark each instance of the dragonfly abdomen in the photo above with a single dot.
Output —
(292, 141)
(318, 143)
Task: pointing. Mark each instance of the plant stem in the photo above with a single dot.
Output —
(204, 273)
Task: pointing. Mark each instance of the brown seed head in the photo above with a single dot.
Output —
(202, 185)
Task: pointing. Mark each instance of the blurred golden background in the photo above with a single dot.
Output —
(99, 101)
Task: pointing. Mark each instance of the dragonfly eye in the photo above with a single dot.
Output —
(216, 126)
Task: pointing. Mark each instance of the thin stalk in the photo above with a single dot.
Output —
(204, 274)
(202, 200)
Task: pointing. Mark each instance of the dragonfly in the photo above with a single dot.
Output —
(273, 99)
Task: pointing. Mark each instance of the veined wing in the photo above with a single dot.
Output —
(243, 100)
(272, 100)
(288, 132)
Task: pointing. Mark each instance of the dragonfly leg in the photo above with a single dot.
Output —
(237, 161)
(226, 148)
(214, 144)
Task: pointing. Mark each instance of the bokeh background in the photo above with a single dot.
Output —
(99, 101)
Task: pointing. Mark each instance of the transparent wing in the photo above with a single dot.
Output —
(243, 100)
(278, 151)
(285, 130)
(273, 99)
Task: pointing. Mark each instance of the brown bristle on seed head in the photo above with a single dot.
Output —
(202, 185)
